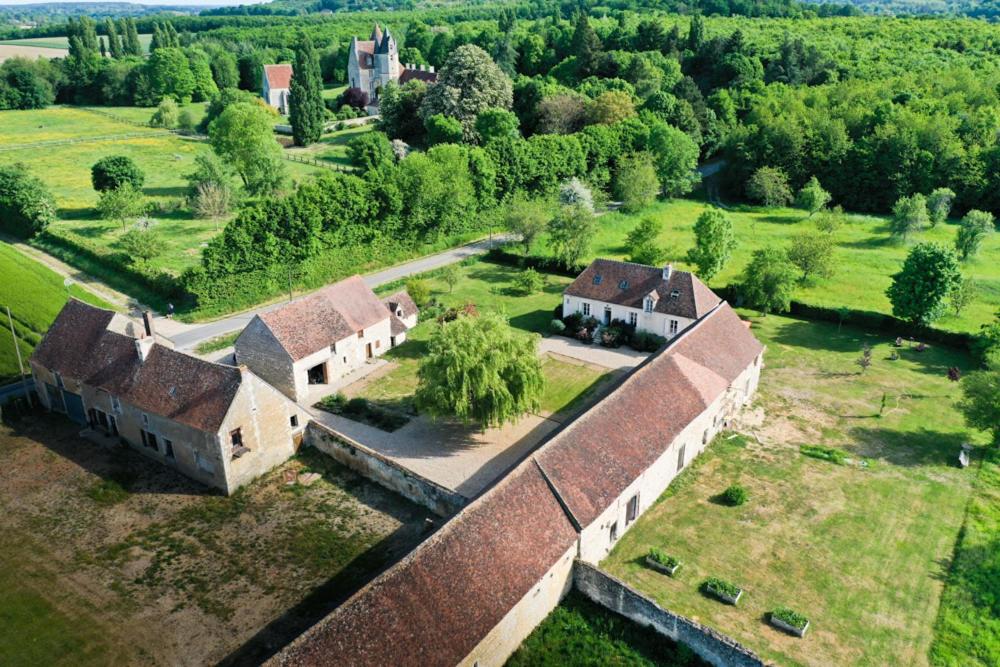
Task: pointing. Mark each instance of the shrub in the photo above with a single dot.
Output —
(825, 453)
(557, 327)
(356, 406)
(792, 618)
(644, 341)
(528, 281)
(659, 556)
(185, 121)
(26, 207)
(167, 115)
(108, 491)
(110, 173)
(716, 585)
(735, 495)
(573, 322)
(419, 290)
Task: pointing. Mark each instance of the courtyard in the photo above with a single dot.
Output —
(109, 558)
(861, 545)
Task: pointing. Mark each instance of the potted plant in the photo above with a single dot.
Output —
(790, 621)
(661, 562)
(723, 590)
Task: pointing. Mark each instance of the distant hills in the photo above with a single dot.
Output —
(57, 12)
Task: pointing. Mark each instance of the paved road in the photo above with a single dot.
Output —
(186, 337)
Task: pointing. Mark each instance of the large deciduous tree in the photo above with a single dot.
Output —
(675, 157)
(527, 219)
(636, 184)
(643, 242)
(769, 186)
(477, 368)
(243, 136)
(468, 83)
(768, 281)
(570, 233)
(909, 214)
(929, 274)
(979, 403)
(306, 109)
(812, 252)
(975, 226)
(169, 74)
(714, 242)
(26, 207)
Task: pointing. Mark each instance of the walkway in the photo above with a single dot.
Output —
(621, 358)
(187, 336)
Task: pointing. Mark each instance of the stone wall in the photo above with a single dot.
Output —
(384, 471)
(612, 594)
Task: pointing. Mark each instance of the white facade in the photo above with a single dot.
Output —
(643, 319)
(342, 357)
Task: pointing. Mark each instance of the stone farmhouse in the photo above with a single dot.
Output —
(374, 63)
(275, 84)
(220, 425)
(658, 300)
(321, 338)
(473, 591)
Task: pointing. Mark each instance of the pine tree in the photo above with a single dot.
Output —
(586, 47)
(157, 41)
(306, 103)
(696, 35)
(170, 35)
(104, 49)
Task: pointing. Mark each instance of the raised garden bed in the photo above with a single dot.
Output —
(789, 621)
(723, 590)
(661, 562)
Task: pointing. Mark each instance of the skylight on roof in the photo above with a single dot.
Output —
(623, 284)
(674, 293)
(597, 279)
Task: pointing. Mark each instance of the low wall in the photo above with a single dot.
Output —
(384, 471)
(614, 595)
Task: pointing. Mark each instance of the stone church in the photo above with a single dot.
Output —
(373, 63)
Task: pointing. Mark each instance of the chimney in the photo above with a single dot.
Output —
(430, 68)
(667, 270)
(147, 322)
(143, 346)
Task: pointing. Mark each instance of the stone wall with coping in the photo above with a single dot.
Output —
(384, 471)
(614, 595)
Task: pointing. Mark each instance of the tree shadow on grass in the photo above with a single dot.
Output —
(786, 219)
(93, 231)
(536, 321)
(907, 449)
(411, 349)
(825, 336)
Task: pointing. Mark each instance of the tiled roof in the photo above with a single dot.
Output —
(332, 314)
(408, 74)
(628, 284)
(403, 301)
(657, 401)
(168, 383)
(278, 76)
(365, 51)
(433, 607)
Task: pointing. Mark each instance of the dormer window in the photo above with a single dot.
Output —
(623, 284)
(674, 293)
(648, 304)
(597, 279)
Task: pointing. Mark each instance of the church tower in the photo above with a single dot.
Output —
(386, 59)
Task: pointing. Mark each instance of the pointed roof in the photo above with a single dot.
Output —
(387, 41)
(628, 284)
(376, 35)
(278, 76)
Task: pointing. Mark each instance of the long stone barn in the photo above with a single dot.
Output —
(473, 591)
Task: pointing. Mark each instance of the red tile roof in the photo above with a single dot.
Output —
(278, 76)
(168, 383)
(603, 281)
(332, 314)
(657, 401)
(402, 300)
(433, 607)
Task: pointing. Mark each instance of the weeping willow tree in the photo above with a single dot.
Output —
(480, 370)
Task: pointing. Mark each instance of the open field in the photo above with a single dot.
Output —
(333, 146)
(31, 52)
(35, 294)
(109, 558)
(65, 168)
(865, 256)
(861, 549)
(579, 632)
(62, 42)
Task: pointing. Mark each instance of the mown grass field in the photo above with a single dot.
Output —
(62, 42)
(865, 256)
(65, 168)
(861, 549)
(488, 286)
(579, 632)
(35, 294)
(333, 146)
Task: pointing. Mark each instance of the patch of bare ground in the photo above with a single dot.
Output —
(175, 574)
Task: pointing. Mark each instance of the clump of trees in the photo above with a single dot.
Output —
(26, 206)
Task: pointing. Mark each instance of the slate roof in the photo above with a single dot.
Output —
(433, 607)
(323, 318)
(657, 401)
(278, 76)
(408, 74)
(628, 284)
(168, 383)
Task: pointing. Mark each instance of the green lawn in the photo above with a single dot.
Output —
(35, 294)
(63, 42)
(488, 286)
(579, 632)
(861, 549)
(333, 146)
(865, 255)
(65, 169)
(143, 114)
